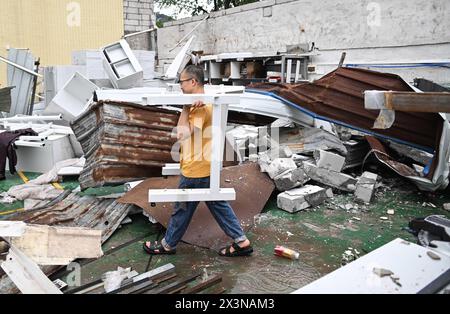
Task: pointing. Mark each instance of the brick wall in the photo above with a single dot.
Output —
(138, 15)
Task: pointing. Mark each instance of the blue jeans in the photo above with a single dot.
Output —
(183, 212)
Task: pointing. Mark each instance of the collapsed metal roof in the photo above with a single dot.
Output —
(338, 97)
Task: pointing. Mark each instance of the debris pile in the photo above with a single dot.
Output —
(124, 142)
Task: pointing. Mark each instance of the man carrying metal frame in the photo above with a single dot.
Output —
(194, 133)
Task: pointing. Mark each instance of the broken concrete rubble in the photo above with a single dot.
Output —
(290, 179)
(365, 187)
(328, 160)
(308, 140)
(280, 165)
(301, 198)
(331, 178)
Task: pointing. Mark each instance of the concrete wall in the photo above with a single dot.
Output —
(52, 29)
(139, 15)
(381, 32)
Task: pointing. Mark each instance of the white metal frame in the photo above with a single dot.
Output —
(171, 170)
(26, 274)
(219, 120)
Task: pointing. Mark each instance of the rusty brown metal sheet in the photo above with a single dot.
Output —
(124, 142)
(339, 96)
(383, 156)
(253, 189)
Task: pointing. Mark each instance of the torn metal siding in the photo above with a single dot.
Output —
(124, 142)
(339, 98)
(21, 95)
(78, 211)
(5, 99)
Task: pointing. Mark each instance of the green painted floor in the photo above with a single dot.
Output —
(321, 236)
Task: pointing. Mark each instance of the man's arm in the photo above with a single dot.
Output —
(184, 127)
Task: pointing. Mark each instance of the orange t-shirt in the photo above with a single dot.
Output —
(196, 150)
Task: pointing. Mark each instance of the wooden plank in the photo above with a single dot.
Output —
(48, 245)
(204, 285)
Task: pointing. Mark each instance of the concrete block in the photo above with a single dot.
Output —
(301, 198)
(365, 187)
(264, 161)
(291, 179)
(331, 178)
(280, 165)
(328, 160)
(280, 152)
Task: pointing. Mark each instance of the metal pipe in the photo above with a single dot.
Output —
(32, 138)
(187, 35)
(20, 67)
(142, 32)
(32, 118)
(29, 144)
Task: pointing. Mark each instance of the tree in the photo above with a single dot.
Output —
(195, 7)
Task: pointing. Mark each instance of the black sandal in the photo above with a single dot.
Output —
(238, 251)
(157, 249)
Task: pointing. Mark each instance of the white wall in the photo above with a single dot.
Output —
(383, 31)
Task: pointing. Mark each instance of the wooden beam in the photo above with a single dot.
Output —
(204, 285)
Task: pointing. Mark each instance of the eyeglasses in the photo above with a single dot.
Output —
(181, 81)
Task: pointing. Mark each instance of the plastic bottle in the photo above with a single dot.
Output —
(285, 252)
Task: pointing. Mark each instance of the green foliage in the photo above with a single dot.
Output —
(195, 8)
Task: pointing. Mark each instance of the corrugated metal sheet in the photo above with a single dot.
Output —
(5, 99)
(23, 82)
(124, 142)
(338, 97)
(73, 211)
